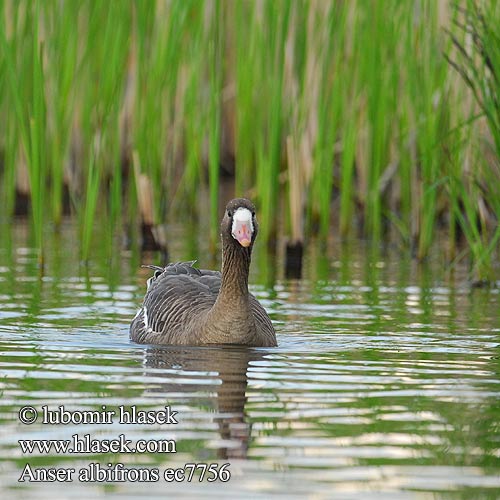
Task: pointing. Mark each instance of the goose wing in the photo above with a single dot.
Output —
(175, 295)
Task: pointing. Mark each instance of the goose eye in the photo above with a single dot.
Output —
(229, 214)
(253, 214)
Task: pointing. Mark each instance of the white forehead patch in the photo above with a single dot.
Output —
(243, 215)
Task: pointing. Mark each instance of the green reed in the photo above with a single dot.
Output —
(30, 111)
(336, 115)
(62, 52)
(376, 39)
(332, 95)
(270, 76)
(429, 94)
(215, 55)
(153, 70)
(246, 76)
(476, 58)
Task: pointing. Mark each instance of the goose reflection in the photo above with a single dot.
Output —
(223, 379)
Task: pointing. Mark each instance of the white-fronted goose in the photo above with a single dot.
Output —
(189, 306)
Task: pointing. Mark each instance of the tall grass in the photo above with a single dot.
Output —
(338, 116)
(62, 52)
(29, 110)
(215, 54)
(477, 200)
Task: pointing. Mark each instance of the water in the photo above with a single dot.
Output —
(385, 383)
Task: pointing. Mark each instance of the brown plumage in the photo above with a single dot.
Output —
(190, 306)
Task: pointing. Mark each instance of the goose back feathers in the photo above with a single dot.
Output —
(190, 306)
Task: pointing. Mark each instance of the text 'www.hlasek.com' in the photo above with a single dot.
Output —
(85, 444)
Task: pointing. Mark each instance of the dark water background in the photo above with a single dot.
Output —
(385, 383)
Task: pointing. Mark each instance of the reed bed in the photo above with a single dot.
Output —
(339, 118)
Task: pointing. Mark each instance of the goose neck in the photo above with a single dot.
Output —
(235, 270)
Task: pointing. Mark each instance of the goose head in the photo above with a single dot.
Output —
(239, 225)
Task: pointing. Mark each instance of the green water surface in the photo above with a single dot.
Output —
(385, 383)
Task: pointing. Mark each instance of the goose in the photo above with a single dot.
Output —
(185, 305)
